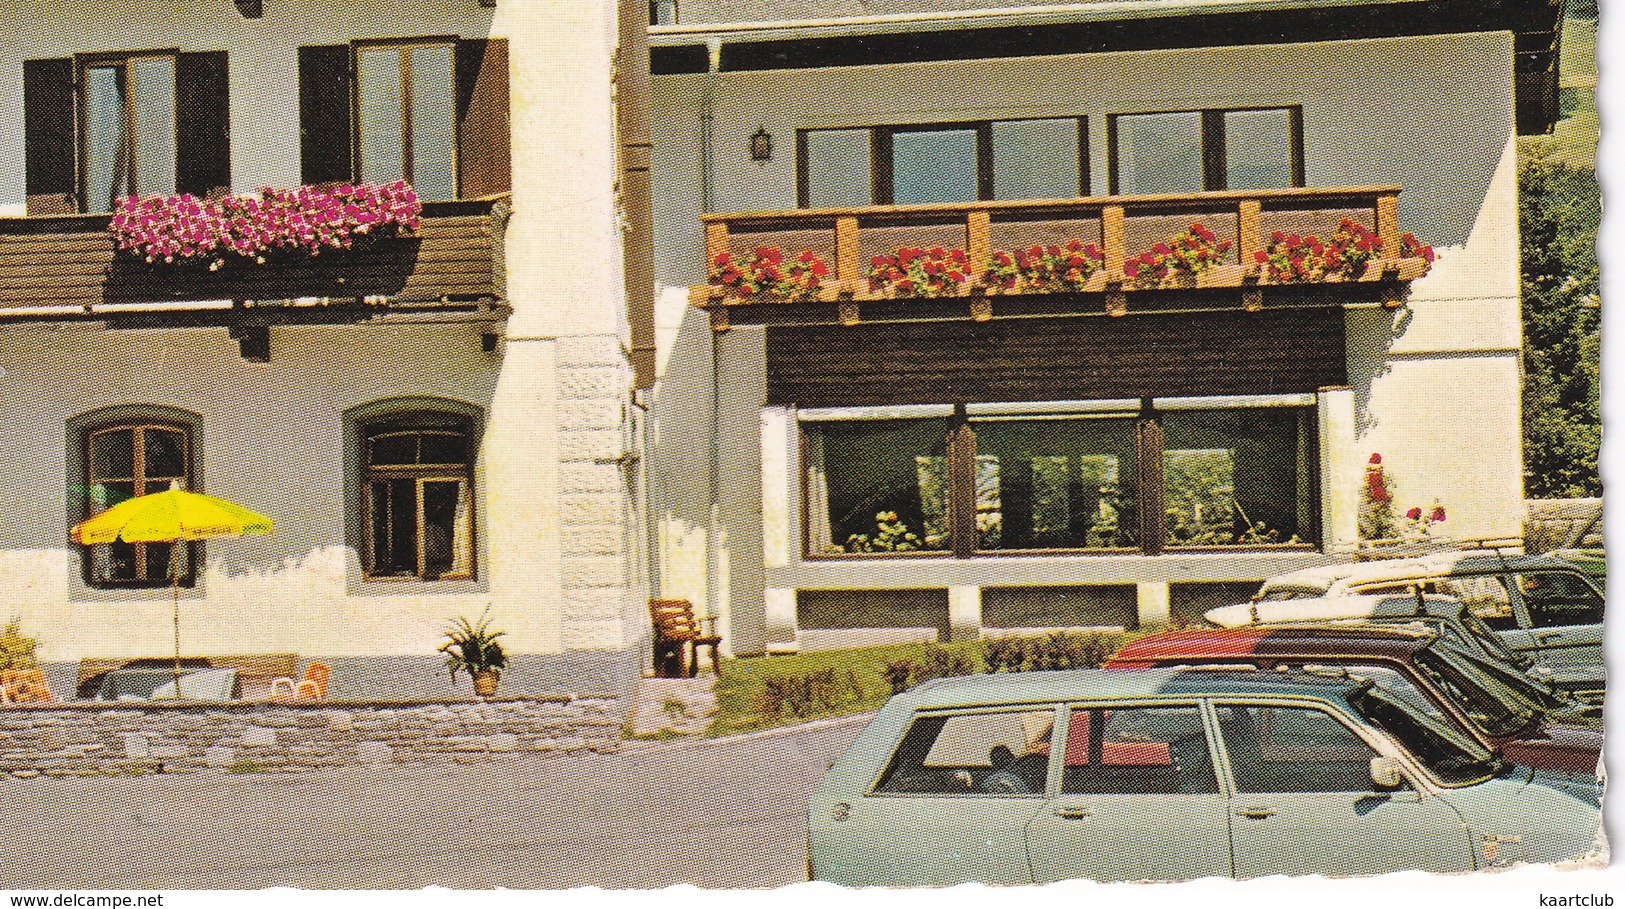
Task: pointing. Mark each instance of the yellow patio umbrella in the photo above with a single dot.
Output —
(171, 516)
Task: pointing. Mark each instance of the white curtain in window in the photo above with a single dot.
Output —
(819, 533)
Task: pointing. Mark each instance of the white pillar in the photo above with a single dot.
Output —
(780, 618)
(1151, 601)
(1340, 471)
(964, 613)
(776, 535)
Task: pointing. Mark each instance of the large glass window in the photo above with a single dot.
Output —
(128, 110)
(1192, 151)
(419, 495)
(126, 461)
(988, 753)
(1139, 750)
(1238, 476)
(953, 162)
(877, 486)
(1063, 481)
(1055, 484)
(406, 116)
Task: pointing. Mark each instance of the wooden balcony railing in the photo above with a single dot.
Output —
(1122, 226)
(67, 266)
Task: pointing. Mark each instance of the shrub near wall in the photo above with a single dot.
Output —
(763, 692)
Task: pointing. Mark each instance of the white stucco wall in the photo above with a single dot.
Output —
(1434, 385)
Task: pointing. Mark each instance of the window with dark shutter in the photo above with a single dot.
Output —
(103, 126)
(48, 136)
(430, 111)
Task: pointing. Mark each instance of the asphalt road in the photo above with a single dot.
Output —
(728, 814)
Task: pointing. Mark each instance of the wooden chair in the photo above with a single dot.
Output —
(676, 628)
(24, 686)
(313, 687)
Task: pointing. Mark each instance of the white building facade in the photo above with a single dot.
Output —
(1118, 467)
(439, 424)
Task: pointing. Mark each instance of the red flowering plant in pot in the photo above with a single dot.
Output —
(768, 275)
(1059, 269)
(1291, 258)
(1179, 261)
(915, 272)
(274, 223)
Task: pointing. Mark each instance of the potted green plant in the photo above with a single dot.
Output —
(474, 648)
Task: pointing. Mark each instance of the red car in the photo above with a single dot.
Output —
(1454, 687)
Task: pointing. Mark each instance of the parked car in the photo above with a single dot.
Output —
(1545, 608)
(1452, 618)
(1173, 774)
(1412, 664)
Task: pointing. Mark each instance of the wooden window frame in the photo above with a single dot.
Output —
(81, 125)
(422, 473)
(1149, 492)
(882, 184)
(402, 46)
(139, 486)
(1214, 166)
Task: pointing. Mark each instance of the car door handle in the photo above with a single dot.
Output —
(1548, 636)
(1072, 812)
(1255, 812)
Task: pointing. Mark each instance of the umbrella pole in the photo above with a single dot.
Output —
(175, 598)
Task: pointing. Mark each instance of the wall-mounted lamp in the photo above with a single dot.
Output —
(251, 9)
(761, 145)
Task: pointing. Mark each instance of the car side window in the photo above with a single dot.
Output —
(1293, 749)
(987, 753)
(1558, 598)
(1486, 595)
(1137, 750)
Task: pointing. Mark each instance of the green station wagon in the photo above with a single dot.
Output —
(1175, 774)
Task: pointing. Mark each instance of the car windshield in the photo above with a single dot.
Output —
(1530, 689)
(1451, 757)
(1497, 709)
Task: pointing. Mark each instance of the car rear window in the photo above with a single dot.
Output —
(995, 752)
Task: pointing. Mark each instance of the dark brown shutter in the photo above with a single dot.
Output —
(324, 114)
(48, 136)
(484, 164)
(203, 124)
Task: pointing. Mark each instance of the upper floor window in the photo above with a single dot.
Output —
(124, 461)
(99, 127)
(405, 124)
(431, 111)
(662, 12)
(1193, 151)
(418, 485)
(954, 162)
(128, 106)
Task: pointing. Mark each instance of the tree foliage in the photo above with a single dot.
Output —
(1559, 210)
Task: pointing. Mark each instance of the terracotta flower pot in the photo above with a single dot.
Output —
(485, 682)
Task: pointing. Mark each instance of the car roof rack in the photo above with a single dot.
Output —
(1378, 550)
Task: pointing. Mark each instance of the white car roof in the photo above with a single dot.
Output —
(1348, 574)
(1327, 609)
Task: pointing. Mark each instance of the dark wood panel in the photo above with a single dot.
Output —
(1069, 358)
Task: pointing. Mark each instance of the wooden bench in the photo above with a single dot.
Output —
(676, 630)
(254, 670)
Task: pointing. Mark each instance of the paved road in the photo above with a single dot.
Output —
(714, 815)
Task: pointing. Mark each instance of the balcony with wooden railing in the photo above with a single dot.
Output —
(1120, 226)
(66, 267)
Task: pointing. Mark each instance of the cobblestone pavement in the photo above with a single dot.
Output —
(725, 813)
